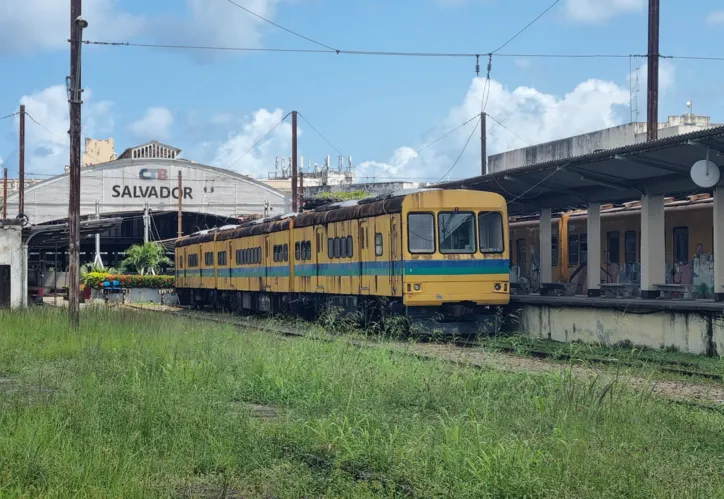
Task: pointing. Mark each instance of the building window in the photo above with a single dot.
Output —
(421, 233)
(378, 244)
(209, 259)
(681, 245)
(221, 258)
(614, 248)
(491, 231)
(456, 232)
(584, 249)
(573, 249)
(630, 246)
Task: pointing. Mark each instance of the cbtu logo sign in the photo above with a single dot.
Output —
(153, 174)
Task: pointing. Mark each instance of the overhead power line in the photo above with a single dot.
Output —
(280, 26)
(509, 130)
(259, 141)
(526, 27)
(365, 52)
(9, 115)
(463, 151)
(326, 140)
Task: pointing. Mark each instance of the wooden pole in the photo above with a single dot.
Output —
(295, 181)
(180, 204)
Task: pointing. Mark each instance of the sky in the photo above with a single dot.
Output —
(383, 111)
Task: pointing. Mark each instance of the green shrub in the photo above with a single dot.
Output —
(96, 279)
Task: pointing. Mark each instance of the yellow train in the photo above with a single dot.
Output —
(427, 254)
(689, 241)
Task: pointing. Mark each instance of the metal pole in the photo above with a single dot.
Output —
(652, 117)
(98, 258)
(180, 212)
(483, 145)
(145, 224)
(294, 162)
(5, 193)
(55, 277)
(74, 199)
(21, 165)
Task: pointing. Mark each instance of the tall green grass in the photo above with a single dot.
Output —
(142, 405)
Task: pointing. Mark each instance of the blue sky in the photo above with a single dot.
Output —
(379, 110)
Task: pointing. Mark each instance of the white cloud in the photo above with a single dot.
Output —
(716, 17)
(154, 125)
(236, 151)
(593, 11)
(523, 62)
(667, 75)
(28, 25)
(47, 144)
(533, 115)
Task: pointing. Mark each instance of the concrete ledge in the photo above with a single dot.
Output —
(630, 304)
(140, 295)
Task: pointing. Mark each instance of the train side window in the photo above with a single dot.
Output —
(629, 246)
(573, 257)
(276, 253)
(258, 255)
(421, 233)
(330, 248)
(297, 251)
(209, 258)
(584, 249)
(350, 247)
(614, 248)
(286, 252)
(308, 251)
(378, 244)
(491, 232)
(337, 249)
(681, 245)
(221, 258)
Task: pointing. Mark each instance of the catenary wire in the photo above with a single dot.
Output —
(463, 151)
(280, 26)
(259, 141)
(526, 27)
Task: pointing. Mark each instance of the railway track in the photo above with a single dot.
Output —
(433, 353)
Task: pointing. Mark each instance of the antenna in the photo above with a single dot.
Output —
(688, 106)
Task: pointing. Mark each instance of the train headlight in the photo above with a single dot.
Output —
(417, 287)
(497, 286)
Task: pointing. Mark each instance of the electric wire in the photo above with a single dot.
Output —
(259, 141)
(279, 25)
(463, 151)
(508, 129)
(526, 27)
(9, 115)
(325, 139)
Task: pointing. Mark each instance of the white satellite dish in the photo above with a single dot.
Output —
(705, 173)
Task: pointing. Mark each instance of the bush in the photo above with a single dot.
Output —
(96, 279)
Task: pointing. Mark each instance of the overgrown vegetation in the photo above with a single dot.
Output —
(141, 404)
(342, 196)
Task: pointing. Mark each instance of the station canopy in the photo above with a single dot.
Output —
(660, 167)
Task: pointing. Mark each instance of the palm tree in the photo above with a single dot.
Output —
(145, 258)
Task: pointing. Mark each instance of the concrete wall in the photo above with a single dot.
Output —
(692, 332)
(609, 138)
(140, 295)
(126, 185)
(369, 188)
(11, 253)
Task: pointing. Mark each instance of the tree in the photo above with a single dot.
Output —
(144, 258)
(95, 267)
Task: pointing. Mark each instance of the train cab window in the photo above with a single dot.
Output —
(573, 250)
(629, 246)
(209, 258)
(221, 258)
(456, 232)
(584, 249)
(681, 245)
(421, 233)
(350, 247)
(491, 231)
(614, 247)
(378, 244)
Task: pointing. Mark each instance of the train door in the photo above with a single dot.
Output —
(365, 284)
(395, 263)
(265, 282)
(319, 260)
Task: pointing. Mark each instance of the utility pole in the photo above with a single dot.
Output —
(301, 190)
(483, 145)
(652, 114)
(21, 165)
(77, 24)
(294, 162)
(5, 193)
(180, 205)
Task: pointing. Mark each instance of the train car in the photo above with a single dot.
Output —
(688, 238)
(425, 253)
